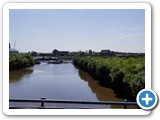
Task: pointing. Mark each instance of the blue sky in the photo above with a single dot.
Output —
(73, 30)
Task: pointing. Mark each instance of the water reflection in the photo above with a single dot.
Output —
(17, 75)
(102, 93)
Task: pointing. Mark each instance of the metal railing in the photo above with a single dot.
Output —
(42, 102)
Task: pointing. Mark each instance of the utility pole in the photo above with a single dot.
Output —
(14, 44)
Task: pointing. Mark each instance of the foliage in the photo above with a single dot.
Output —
(17, 61)
(124, 74)
(55, 52)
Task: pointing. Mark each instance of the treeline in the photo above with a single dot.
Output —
(17, 61)
(125, 75)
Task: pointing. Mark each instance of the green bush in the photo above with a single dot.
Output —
(116, 72)
(17, 61)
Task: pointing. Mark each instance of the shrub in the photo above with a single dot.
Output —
(17, 61)
(116, 72)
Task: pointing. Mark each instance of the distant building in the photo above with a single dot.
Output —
(33, 53)
(12, 51)
(46, 54)
(105, 52)
(64, 53)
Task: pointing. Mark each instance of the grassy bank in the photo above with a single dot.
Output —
(125, 75)
(17, 61)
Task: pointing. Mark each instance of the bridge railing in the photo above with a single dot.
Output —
(43, 101)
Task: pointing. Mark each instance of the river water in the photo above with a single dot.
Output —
(57, 81)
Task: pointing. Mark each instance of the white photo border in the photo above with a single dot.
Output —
(9, 6)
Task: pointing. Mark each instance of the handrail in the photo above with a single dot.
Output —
(44, 100)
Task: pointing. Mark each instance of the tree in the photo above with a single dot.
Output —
(90, 52)
(55, 53)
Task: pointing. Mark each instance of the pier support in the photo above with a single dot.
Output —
(42, 102)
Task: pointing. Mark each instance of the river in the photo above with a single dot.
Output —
(57, 81)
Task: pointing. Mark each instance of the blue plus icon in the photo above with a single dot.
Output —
(147, 99)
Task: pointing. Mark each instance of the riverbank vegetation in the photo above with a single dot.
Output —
(17, 61)
(126, 75)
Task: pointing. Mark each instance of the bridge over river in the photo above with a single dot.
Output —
(53, 58)
(64, 59)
